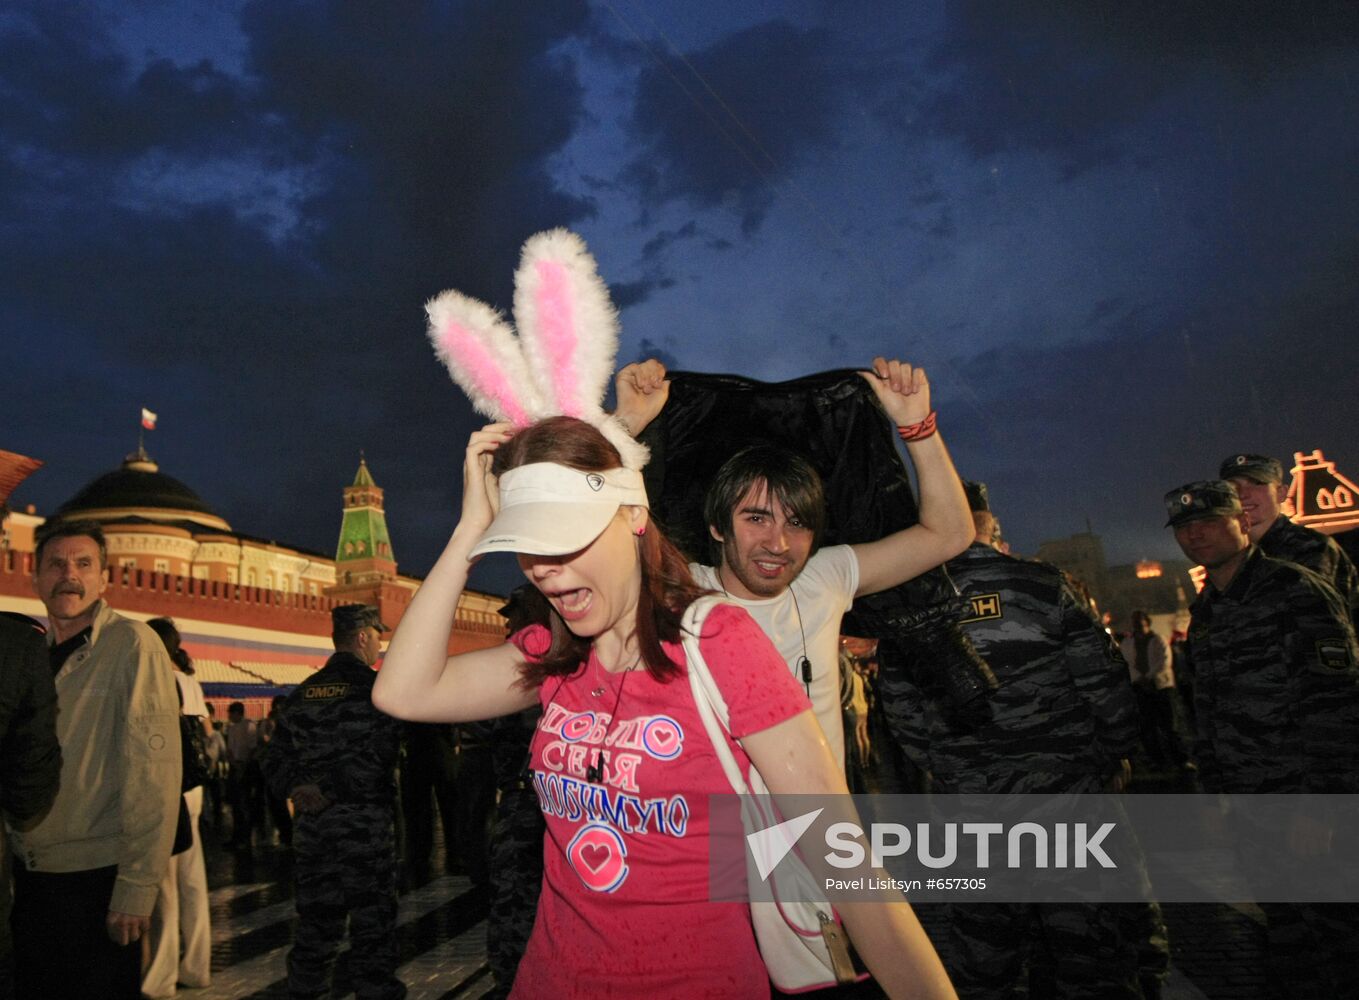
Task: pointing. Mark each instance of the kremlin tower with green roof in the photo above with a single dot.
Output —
(365, 566)
(364, 553)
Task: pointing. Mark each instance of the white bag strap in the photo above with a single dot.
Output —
(756, 807)
(712, 707)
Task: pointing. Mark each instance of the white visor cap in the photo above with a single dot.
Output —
(553, 510)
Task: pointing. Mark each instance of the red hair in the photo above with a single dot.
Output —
(667, 585)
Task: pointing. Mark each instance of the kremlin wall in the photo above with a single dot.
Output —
(254, 614)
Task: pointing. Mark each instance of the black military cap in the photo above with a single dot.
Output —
(978, 497)
(353, 617)
(1259, 468)
(1205, 498)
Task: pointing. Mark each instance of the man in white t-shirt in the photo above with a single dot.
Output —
(765, 510)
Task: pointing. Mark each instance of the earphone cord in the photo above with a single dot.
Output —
(595, 772)
(804, 664)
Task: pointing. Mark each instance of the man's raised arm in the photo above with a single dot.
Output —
(945, 527)
(642, 390)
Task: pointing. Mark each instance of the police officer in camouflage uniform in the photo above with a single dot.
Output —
(1277, 703)
(1259, 482)
(1063, 720)
(334, 755)
(516, 844)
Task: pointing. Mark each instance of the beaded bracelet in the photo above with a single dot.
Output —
(920, 431)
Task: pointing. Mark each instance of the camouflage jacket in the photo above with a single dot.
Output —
(330, 735)
(1064, 713)
(1276, 682)
(1319, 553)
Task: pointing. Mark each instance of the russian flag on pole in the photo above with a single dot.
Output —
(148, 419)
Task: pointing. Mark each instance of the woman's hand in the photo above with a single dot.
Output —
(480, 494)
(903, 390)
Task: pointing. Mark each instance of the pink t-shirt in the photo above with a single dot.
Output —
(625, 910)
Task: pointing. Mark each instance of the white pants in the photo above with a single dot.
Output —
(181, 913)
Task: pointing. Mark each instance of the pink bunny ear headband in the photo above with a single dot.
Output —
(563, 355)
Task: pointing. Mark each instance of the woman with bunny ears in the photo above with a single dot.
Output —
(622, 761)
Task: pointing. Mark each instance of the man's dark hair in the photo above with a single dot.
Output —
(236, 706)
(789, 478)
(345, 641)
(53, 530)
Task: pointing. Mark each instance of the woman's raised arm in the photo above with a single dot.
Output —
(419, 680)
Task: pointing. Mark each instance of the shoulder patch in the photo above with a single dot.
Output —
(984, 606)
(1334, 653)
(325, 692)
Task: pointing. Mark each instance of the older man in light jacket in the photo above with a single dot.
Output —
(86, 877)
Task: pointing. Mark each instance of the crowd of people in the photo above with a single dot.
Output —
(109, 751)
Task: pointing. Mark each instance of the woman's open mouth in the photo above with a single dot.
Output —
(573, 604)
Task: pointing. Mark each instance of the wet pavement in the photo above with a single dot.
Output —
(441, 930)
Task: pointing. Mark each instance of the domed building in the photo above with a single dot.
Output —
(156, 524)
(254, 614)
(139, 486)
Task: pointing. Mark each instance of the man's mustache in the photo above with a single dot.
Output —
(68, 588)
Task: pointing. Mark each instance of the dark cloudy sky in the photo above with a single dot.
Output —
(1122, 237)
